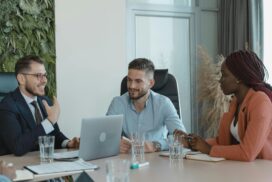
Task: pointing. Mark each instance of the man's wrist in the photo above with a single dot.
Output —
(52, 119)
(157, 146)
(65, 143)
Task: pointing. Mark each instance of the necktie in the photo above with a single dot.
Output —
(37, 113)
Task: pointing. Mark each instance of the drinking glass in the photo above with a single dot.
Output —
(137, 147)
(175, 147)
(46, 144)
(117, 170)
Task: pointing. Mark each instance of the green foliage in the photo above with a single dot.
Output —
(28, 27)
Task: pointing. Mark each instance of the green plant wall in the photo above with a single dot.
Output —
(28, 27)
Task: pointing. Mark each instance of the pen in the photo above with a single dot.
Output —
(189, 138)
(125, 138)
(138, 165)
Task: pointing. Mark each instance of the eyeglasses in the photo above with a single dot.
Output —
(39, 76)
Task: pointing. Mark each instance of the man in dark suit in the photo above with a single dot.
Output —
(21, 120)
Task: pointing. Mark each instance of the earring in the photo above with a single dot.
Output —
(237, 81)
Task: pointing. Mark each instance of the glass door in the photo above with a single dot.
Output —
(168, 39)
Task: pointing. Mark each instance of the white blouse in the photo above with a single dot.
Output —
(234, 130)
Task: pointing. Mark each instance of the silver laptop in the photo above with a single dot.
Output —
(100, 137)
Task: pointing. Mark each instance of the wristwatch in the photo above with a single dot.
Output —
(157, 146)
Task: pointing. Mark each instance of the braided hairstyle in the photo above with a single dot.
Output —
(247, 67)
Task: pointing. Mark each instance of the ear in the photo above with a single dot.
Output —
(20, 78)
(151, 83)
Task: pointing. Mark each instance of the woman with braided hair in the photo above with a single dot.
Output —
(245, 131)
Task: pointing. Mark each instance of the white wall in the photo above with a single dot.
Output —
(90, 46)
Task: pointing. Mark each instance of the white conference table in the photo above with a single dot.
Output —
(33, 158)
(161, 169)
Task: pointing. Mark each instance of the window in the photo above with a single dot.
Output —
(267, 5)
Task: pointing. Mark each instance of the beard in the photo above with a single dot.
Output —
(32, 92)
(139, 96)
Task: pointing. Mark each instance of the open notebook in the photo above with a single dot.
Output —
(195, 155)
(66, 156)
(203, 157)
(185, 151)
(23, 175)
(57, 167)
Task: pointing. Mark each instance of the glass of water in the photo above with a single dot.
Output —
(117, 170)
(46, 144)
(137, 147)
(175, 148)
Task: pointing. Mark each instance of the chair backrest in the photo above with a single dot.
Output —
(8, 83)
(165, 84)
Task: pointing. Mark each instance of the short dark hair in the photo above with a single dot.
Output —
(142, 64)
(23, 64)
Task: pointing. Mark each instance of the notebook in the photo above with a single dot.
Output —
(204, 157)
(99, 137)
(22, 175)
(194, 155)
(57, 167)
(185, 151)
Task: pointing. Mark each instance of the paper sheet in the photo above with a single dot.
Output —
(56, 167)
(204, 157)
(194, 155)
(22, 175)
(66, 155)
(185, 151)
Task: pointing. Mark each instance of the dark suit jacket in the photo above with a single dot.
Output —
(18, 130)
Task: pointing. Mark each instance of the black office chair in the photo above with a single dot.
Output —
(165, 84)
(8, 83)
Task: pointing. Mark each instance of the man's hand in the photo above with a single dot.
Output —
(7, 169)
(179, 133)
(52, 111)
(149, 147)
(125, 145)
(74, 143)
